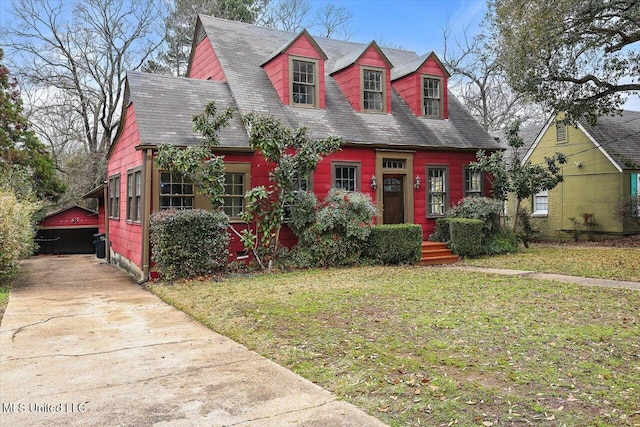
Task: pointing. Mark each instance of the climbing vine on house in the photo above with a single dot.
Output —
(294, 155)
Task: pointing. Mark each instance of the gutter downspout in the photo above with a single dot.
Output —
(105, 200)
(147, 173)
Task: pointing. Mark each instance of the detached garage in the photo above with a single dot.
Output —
(68, 231)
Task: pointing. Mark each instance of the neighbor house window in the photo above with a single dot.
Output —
(304, 83)
(134, 191)
(561, 132)
(346, 176)
(373, 98)
(236, 184)
(541, 203)
(114, 196)
(437, 190)
(472, 183)
(176, 192)
(432, 97)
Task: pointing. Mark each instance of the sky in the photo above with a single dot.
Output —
(410, 24)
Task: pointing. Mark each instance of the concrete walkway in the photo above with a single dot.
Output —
(82, 345)
(586, 281)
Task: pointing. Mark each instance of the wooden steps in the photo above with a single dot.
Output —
(436, 253)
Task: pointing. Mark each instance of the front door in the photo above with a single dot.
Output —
(393, 199)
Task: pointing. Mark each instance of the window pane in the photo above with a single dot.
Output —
(431, 97)
(345, 177)
(437, 188)
(303, 82)
(372, 90)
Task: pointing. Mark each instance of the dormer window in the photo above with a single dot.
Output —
(432, 97)
(373, 90)
(304, 88)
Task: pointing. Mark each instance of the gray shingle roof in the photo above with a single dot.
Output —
(242, 47)
(528, 135)
(619, 136)
(165, 107)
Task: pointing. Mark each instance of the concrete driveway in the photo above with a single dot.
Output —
(82, 344)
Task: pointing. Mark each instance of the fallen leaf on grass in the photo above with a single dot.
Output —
(487, 423)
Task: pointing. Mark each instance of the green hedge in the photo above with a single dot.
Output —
(394, 244)
(189, 243)
(466, 236)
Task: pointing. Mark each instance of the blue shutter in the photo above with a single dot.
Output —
(634, 184)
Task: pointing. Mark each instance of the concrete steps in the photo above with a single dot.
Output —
(437, 253)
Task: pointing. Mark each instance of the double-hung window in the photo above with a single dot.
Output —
(134, 192)
(432, 97)
(304, 82)
(114, 196)
(237, 183)
(373, 92)
(541, 203)
(472, 183)
(176, 192)
(346, 176)
(437, 190)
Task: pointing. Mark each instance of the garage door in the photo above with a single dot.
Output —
(66, 241)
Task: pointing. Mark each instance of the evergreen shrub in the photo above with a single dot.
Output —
(394, 244)
(188, 243)
(466, 237)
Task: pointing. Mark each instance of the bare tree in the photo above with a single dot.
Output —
(74, 55)
(481, 84)
(333, 21)
(287, 15)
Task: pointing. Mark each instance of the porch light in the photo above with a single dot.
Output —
(416, 184)
(374, 182)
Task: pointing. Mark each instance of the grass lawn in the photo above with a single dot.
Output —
(438, 346)
(589, 261)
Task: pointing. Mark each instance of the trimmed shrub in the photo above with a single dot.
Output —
(466, 237)
(340, 231)
(442, 232)
(189, 243)
(17, 230)
(394, 244)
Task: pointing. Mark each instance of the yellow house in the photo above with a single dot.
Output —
(603, 168)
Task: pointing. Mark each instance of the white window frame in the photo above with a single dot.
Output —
(540, 206)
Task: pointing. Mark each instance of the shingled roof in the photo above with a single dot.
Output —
(165, 105)
(619, 136)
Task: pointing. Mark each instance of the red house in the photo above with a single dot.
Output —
(408, 142)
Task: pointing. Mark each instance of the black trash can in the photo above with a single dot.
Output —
(99, 243)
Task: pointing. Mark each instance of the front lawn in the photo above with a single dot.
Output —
(606, 262)
(436, 346)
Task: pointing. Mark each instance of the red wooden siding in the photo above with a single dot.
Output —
(456, 163)
(205, 64)
(278, 69)
(126, 237)
(409, 87)
(349, 79)
(69, 218)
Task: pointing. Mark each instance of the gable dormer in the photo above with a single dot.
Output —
(364, 77)
(422, 84)
(296, 71)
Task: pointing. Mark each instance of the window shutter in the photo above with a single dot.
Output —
(634, 183)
